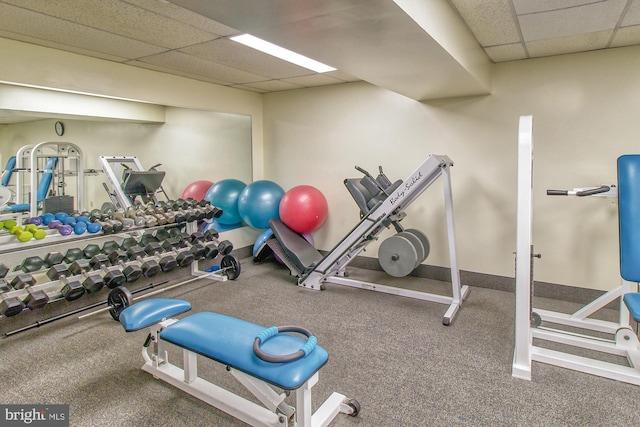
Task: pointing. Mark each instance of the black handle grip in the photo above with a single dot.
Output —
(557, 193)
(592, 191)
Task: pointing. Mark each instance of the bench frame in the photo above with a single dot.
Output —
(275, 411)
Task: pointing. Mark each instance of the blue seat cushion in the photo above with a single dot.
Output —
(632, 301)
(151, 311)
(229, 340)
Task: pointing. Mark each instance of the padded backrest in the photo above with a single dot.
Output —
(359, 193)
(296, 247)
(8, 170)
(629, 216)
(45, 181)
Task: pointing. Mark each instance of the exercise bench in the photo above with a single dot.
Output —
(259, 358)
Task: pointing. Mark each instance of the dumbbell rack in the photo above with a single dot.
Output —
(38, 289)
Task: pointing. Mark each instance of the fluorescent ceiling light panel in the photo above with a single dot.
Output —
(282, 53)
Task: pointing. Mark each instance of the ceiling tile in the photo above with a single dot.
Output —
(506, 52)
(236, 55)
(632, 17)
(121, 18)
(524, 7)
(590, 18)
(570, 44)
(342, 76)
(249, 88)
(274, 85)
(181, 73)
(183, 15)
(179, 61)
(313, 80)
(491, 21)
(58, 46)
(68, 35)
(627, 36)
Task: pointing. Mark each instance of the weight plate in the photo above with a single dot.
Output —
(397, 256)
(231, 266)
(417, 244)
(119, 299)
(423, 239)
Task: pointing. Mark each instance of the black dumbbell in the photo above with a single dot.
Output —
(167, 261)
(36, 299)
(4, 270)
(30, 264)
(113, 276)
(131, 270)
(225, 246)
(11, 306)
(148, 264)
(73, 254)
(72, 288)
(92, 281)
(91, 250)
(22, 281)
(53, 258)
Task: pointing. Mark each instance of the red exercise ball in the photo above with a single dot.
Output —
(196, 190)
(303, 209)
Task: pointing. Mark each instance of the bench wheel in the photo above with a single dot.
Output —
(119, 299)
(355, 405)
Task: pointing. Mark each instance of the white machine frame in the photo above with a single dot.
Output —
(115, 178)
(274, 412)
(332, 267)
(623, 340)
(33, 152)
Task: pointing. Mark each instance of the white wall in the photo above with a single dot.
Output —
(585, 116)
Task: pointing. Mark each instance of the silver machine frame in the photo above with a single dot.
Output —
(621, 339)
(331, 268)
(273, 412)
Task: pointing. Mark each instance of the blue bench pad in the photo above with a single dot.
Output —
(629, 216)
(632, 301)
(151, 311)
(229, 340)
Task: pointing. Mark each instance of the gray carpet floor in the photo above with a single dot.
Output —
(390, 353)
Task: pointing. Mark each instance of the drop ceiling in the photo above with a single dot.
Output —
(388, 43)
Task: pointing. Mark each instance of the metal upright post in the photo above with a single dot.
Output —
(523, 337)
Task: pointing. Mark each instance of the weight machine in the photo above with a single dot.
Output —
(377, 213)
(532, 323)
(129, 180)
(48, 163)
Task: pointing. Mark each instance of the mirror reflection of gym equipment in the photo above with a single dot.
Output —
(129, 182)
(47, 166)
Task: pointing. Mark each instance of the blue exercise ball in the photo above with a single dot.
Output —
(259, 202)
(224, 194)
(261, 240)
(220, 227)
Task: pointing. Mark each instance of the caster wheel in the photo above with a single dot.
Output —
(536, 320)
(355, 405)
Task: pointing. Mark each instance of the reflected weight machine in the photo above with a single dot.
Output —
(129, 181)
